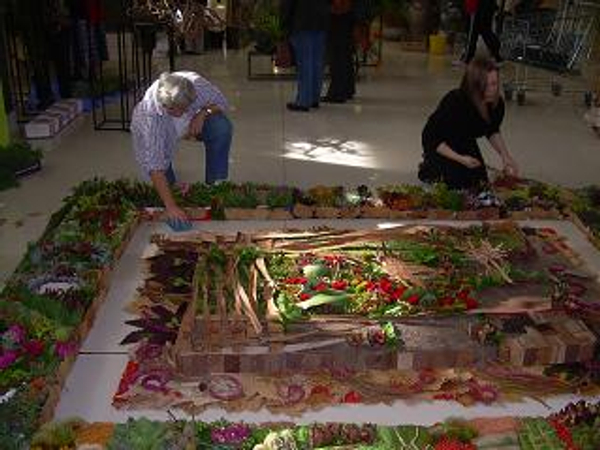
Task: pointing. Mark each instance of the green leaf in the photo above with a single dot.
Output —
(323, 299)
(314, 271)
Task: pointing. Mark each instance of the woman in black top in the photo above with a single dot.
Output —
(450, 151)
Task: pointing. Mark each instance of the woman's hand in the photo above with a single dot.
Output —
(469, 162)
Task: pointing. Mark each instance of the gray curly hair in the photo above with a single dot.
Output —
(175, 91)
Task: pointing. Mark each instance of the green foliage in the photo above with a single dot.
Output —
(587, 436)
(13, 158)
(267, 21)
(287, 308)
(280, 266)
(7, 179)
(200, 194)
(442, 197)
(402, 437)
(18, 156)
(280, 197)
(240, 196)
(415, 252)
(141, 434)
(47, 306)
(57, 435)
(454, 429)
(18, 419)
(536, 433)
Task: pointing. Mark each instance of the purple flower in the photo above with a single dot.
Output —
(65, 349)
(7, 359)
(232, 434)
(16, 334)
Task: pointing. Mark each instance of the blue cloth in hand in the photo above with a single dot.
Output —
(179, 225)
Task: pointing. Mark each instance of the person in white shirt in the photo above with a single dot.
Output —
(179, 105)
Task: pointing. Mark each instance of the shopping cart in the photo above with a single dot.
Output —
(545, 48)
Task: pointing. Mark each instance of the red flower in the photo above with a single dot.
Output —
(398, 293)
(447, 301)
(370, 286)
(413, 299)
(320, 287)
(296, 280)
(452, 444)
(352, 397)
(34, 348)
(130, 376)
(471, 303)
(304, 296)
(463, 294)
(385, 285)
(339, 285)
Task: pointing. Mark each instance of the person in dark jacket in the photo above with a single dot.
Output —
(481, 13)
(450, 151)
(341, 52)
(305, 22)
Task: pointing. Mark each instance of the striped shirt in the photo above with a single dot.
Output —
(155, 133)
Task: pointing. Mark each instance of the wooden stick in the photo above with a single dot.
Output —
(253, 286)
(249, 310)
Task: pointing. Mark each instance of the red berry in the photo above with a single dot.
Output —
(413, 299)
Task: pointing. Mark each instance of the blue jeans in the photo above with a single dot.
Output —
(216, 135)
(309, 47)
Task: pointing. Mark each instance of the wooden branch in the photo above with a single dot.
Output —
(220, 294)
(246, 304)
(253, 287)
(272, 310)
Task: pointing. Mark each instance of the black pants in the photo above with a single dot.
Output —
(481, 25)
(436, 168)
(341, 57)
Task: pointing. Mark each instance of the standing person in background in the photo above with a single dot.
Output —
(341, 52)
(305, 22)
(481, 13)
(450, 151)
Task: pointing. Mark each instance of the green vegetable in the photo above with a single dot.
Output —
(323, 298)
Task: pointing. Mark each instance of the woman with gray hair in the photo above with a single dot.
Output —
(179, 105)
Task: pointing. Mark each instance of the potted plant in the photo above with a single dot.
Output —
(280, 200)
(267, 27)
(327, 201)
(241, 203)
(395, 18)
(17, 160)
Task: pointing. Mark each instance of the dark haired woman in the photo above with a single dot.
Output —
(450, 151)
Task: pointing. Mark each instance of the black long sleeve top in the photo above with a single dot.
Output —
(458, 123)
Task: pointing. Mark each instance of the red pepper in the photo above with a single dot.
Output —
(339, 285)
(352, 397)
(471, 303)
(413, 299)
(398, 293)
(320, 287)
(370, 286)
